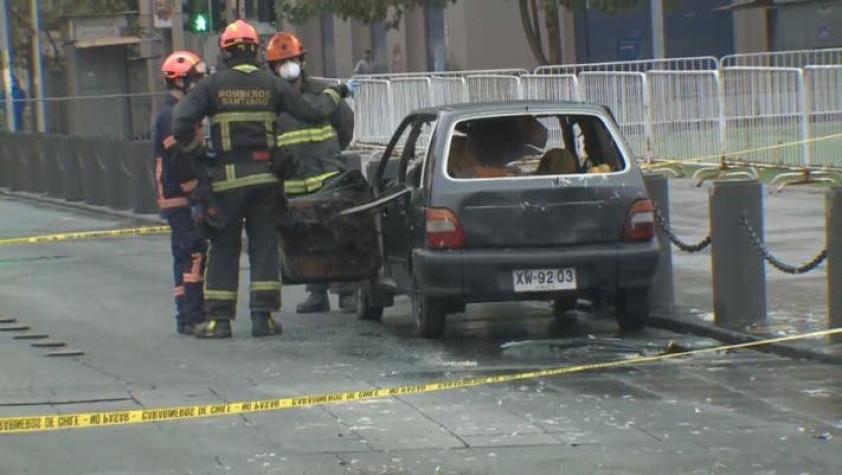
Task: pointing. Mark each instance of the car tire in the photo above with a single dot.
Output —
(430, 315)
(365, 310)
(563, 304)
(632, 309)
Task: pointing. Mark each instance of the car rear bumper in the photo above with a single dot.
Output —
(486, 274)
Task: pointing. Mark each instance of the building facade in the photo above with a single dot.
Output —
(487, 34)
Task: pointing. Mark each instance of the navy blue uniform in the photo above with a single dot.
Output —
(243, 103)
(188, 247)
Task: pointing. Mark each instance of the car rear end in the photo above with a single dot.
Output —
(573, 219)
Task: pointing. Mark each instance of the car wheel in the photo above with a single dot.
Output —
(429, 315)
(632, 308)
(365, 310)
(564, 303)
(561, 306)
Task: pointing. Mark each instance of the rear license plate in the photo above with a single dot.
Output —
(543, 280)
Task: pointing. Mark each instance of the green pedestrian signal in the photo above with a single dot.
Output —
(202, 16)
(200, 23)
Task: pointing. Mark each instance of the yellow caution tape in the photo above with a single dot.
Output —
(84, 235)
(16, 425)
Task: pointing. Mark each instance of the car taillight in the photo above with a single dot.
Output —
(640, 223)
(444, 230)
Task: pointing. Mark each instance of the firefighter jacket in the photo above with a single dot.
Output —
(243, 104)
(171, 192)
(315, 148)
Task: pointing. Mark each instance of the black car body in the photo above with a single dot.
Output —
(509, 201)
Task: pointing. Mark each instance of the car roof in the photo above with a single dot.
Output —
(474, 108)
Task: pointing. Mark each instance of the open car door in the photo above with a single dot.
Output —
(333, 235)
(320, 244)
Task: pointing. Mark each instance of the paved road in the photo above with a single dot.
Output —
(742, 412)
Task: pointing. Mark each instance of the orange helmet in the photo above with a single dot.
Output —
(238, 33)
(181, 64)
(284, 46)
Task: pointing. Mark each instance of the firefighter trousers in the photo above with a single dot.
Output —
(256, 207)
(188, 252)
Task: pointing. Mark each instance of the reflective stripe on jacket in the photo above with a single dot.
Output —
(316, 148)
(243, 104)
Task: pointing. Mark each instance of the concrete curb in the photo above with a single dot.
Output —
(696, 327)
(150, 219)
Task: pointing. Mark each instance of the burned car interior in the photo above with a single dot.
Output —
(530, 145)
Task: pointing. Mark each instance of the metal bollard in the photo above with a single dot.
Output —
(833, 216)
(739, 272)
(662, 292)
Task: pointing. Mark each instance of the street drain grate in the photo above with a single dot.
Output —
(31, 336)
(7, 320)
(64, 353)
(17, 328)
(48, 344)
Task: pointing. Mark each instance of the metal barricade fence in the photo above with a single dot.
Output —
(128, 116)
(483, 88)
(448, 74)
(687, 115)
(625, 94)
(764, 108)
(784, 59)
(408, 94)
(448, 90)
(824, 107)
(553, 87)
(698, 63)
(373, 112)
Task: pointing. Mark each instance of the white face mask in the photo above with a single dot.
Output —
(290, 70)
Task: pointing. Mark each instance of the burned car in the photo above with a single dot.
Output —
(502, 202)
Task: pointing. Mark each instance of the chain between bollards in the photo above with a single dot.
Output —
(774, 261)
(698, 247)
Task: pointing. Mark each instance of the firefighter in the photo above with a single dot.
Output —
(243, 102)
(314, 149)
(181, 69)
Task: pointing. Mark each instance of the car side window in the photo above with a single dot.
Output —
(415, 153)
(389, 162)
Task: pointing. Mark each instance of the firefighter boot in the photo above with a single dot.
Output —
(316, 302)
(262, 324)
(213, 329)
(185, 328)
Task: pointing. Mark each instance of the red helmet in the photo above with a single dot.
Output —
(238, 33)
(284, 46)
(181, 64)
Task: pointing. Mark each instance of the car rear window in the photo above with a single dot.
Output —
(532, 145)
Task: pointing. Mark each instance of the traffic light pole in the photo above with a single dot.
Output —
(149, 53)
(6, 60)
(178, 27)
(38, 66)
